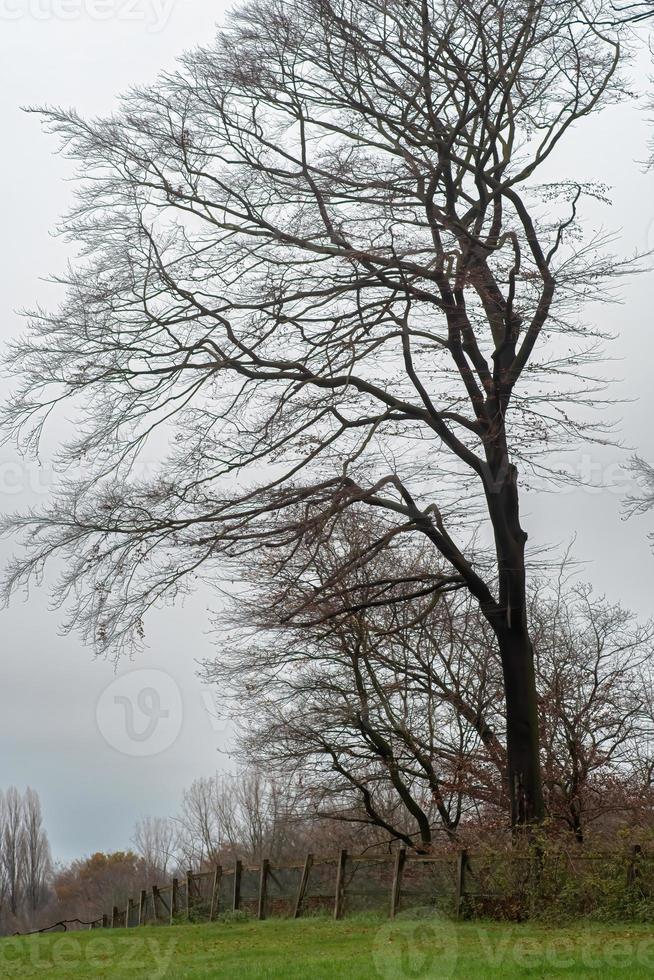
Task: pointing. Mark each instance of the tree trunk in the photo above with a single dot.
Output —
(522, 742)
(509, 621)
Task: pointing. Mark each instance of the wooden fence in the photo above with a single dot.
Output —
(490, 883)
(337, 884)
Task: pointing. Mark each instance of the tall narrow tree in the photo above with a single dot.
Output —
(37, 862)
(12, 852)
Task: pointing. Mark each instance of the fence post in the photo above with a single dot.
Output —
(396, 887)
(189, 900)
(340, 884)
(217, 875)
(105, 921)
(174, 895)
(143, 897)
(155, 907)
(238, 872)
(461, 868)
(302, 887)
(263, 888)
(114, 916)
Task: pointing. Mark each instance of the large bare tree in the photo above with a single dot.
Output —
(325, 262)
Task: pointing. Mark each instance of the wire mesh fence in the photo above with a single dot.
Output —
(282, 889)
(367, 884)
(429, 882)
(319, 891)
(225, 891)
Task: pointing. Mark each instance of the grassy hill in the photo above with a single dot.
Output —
(320, 949)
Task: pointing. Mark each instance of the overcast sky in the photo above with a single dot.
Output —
(71, 726)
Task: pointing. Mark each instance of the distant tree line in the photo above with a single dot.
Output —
(220, 818)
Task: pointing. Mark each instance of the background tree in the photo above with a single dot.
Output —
(12, 853)
(156, 840)
(378, 711)
(201, 832)
(36, 863)
(318, 260)
(593, 668)
(90, 886)
(25, 863)
(392, 716)
(238, 815)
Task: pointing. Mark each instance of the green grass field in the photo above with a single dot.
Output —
(318, 949)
